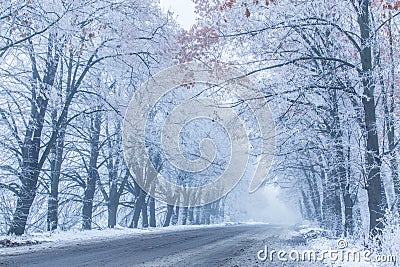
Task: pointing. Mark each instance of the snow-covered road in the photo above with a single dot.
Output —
(232, 245)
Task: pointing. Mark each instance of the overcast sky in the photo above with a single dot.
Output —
(183, 10)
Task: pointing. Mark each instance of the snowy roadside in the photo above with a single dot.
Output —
(14, 245)
(353, 253)
(233, 248)
(303, 242)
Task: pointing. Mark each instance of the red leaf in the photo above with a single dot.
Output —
(247, 13)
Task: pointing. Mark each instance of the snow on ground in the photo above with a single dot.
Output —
(301, 239)
(305, 239)
(364, 256)
(12, 245)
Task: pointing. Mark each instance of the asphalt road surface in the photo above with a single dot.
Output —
(234, 245)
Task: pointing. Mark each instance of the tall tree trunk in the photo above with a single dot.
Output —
(24, 203)
(93, 174)
(307, 211)
(348, 212)
(332, 209)
(145, 217)
(376, 194)
(112, 215)
(198, 216)
(184, 215)
(55, 172)
(52, 209)
(31, 165)
(113, 202)
(175, 216)
(113, 199)
(170, 211)
(152, 212)
(390, 122)
(207, 214)
(57, 151)
(349, 200)
(139, 203)
(340, 171)
(191, 216)
(314, 192)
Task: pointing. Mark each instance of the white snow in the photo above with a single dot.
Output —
(288, 240)
(57, 239)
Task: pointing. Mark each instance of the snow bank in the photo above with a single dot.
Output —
(39, 241)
